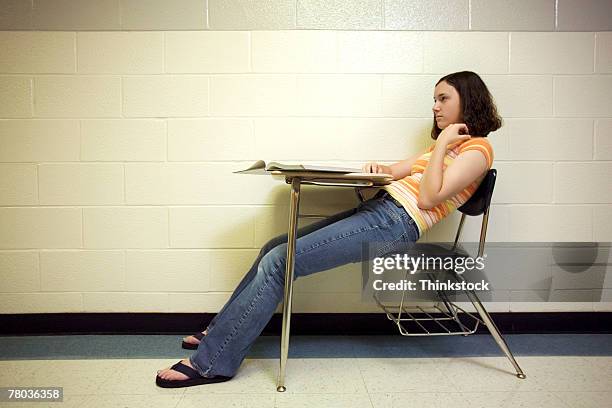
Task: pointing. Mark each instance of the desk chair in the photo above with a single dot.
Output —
(450, 322)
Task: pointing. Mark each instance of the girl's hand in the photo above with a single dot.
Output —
(454, 133)
(373, 167)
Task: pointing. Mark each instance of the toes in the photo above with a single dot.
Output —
(170, 374)
(162, 372)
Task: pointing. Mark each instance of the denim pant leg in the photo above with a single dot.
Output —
(336, 244)
(271, 244)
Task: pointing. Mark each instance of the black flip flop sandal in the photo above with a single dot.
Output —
(191, 346)
(194, 378)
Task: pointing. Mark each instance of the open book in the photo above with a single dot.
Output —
(260, 167)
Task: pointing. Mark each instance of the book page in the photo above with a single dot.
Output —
(260, 167)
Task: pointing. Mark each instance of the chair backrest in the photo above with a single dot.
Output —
(479, 202)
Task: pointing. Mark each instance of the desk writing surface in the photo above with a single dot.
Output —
(377, 178)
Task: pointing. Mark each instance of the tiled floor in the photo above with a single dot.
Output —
(565, 370)
(552, 381)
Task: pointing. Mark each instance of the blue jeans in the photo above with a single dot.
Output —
(323, 245)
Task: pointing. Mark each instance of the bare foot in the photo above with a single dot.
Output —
(169, 374)
(193, 340)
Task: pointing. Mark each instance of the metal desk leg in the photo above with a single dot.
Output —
(293, 217)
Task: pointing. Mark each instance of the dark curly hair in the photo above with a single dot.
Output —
(477, 105)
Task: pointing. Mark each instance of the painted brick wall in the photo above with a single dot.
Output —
(122, 120)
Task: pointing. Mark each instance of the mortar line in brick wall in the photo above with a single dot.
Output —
(217, 162)
(594, 52)
(509, 50)
(469, 14)
(230, 205)
(433, 75)
(135, 206)
(76, 52)
(82, 249)
(120, 11)
(279, 117)
(150, 206)
(190, 249)
(194, 249)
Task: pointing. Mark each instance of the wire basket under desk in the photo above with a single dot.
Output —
(448, 320)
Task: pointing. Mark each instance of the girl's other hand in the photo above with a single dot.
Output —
(454, 133)
(373, 167)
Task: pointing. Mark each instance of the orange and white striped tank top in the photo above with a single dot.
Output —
(406, 190)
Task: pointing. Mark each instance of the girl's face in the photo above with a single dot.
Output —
(447, 105)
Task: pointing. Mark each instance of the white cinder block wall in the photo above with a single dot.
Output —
(122, 120)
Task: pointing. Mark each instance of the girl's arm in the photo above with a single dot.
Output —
(431, 183)
(438, 185)
(398, 170)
